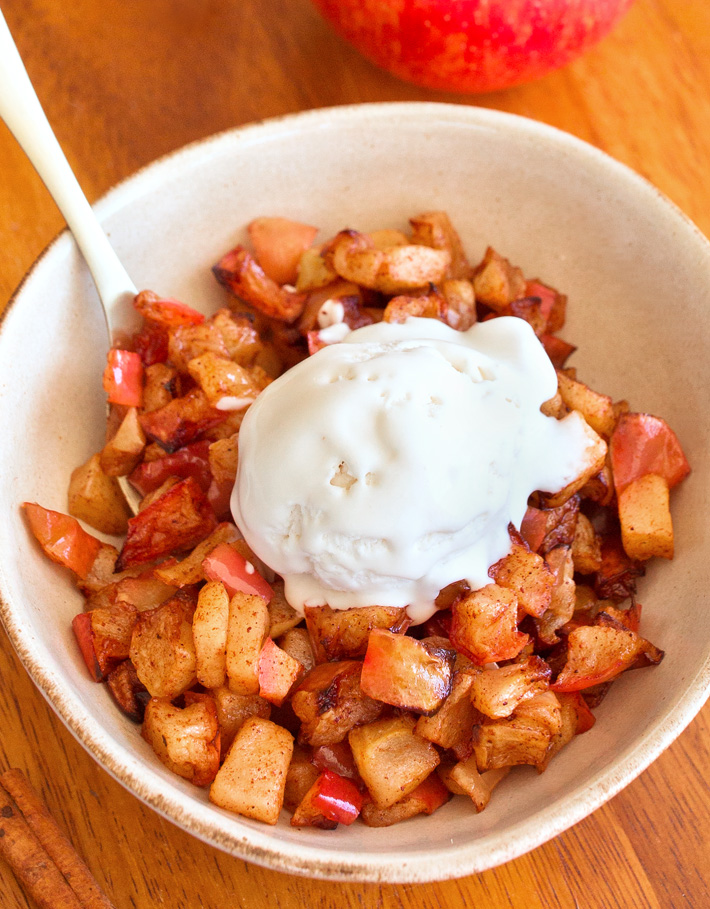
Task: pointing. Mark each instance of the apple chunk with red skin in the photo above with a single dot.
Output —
(472, 45)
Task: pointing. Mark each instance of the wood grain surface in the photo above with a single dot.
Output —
(125, 81)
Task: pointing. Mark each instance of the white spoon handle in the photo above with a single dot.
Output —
(23, 114)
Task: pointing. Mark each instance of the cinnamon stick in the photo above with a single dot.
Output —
(33, 868)
(63, 858)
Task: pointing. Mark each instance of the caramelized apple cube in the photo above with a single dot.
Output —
(279, 244)
(496, 282)
(186, 740)
(453, 721)
(484, 625)
(248, 626)
(598, 653)
(278, 672)
(467, 780)
(391, 758)
(104, 636)
(329, 702)
(128, 691)
(597, 409)
(96, 498)
(209, 631)
(182, 420)
(233, 709)
(645, 517)
(522, 738)
(123, 451)
(163, 651)
(252, 779)
(301, 775)
(526, 574)
(177, 520)
(434, 228)
(407, 673)
(496, 692)
(342, 634)
(240, 273)
(425, 799)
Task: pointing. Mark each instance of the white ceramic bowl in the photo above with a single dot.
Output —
(638, 277)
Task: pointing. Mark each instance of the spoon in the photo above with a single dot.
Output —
(22, 112)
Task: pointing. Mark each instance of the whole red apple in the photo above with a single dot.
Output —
(472, 45)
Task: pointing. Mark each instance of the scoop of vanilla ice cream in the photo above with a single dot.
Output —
(385, 467)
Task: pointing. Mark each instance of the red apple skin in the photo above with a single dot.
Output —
(472, 45)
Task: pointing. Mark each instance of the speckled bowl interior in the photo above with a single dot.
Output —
(637, 274)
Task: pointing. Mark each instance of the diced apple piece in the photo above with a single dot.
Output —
(454, 720)
(279, 244)
(342, 634)
(63, 539)
(240, 273)
(278, 672)
(252, 779)
(391, 758)
(163, 651)
(544, 529)
(598, 653)
(177, 520)
(165, 310)
(434, 228)
(224, 459)
(643, 444)
(122, 452)
(526, 574)
(497, 692)
(484, 625)
(247, 629)
(522, 738)
(425, 799)
(468, 781)
(128, 691)
(586, 547)
(188, 461)
(313, 271)
(408, 267)
(104, 637)
(182, 420)
(393, 270)
(282, 617)
(425, 306)
(233, 709)
(645, 517)
(302, 774)
(460, 303)
(226, 384)
(407, 673)
(329, 703)
(297, 643)
(597, 409)
(563, 600)
(496, 282)
(161, 382)
(189, 570)
(209, 631)
(186, 740)
(97, 499)
(331, 797)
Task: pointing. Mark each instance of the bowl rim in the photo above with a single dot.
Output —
(205, 821)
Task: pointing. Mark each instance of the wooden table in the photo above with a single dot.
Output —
(125, 81)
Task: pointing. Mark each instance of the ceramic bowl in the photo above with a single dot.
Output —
(637, 274)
